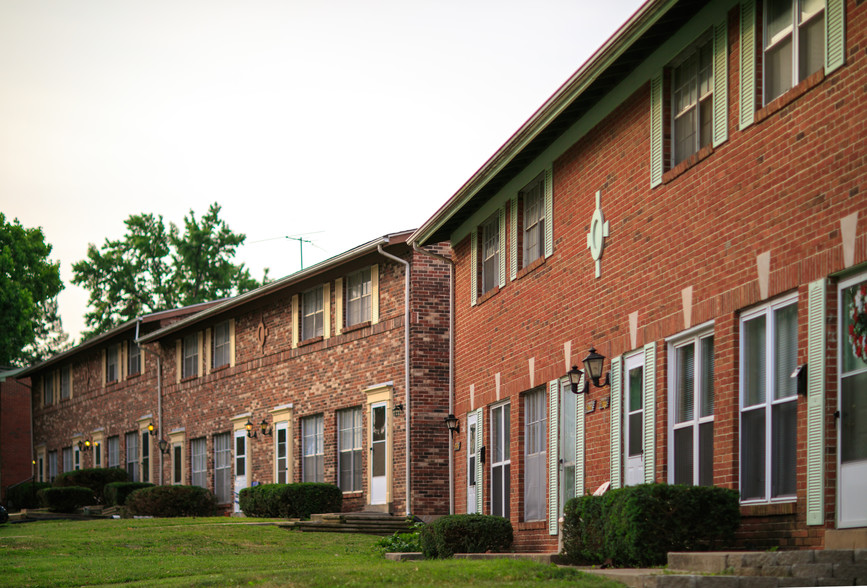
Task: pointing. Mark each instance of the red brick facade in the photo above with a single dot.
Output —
(687, 252)
(15, 461)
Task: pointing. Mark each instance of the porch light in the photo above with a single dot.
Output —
(575, 379)
(397, 410)
(152, 430)
(250, 432)
(593, 364)
(84, 445)
(164, 446)
(265, 428)
(453, 424)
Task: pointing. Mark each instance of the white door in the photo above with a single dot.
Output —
(378, 453)
(240, 465)
(852, 426)
(633, 419)
(472, 456)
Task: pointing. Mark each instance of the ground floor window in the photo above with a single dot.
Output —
(313, 462)
(223, 467)
(52, 465)
(349, 449)
(535, 455)
(501, 463)
(67, 459)
(199, 462)
(114, 452)
(132, 456)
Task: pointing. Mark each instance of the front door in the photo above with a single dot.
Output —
(852, 427)
(633, 416)
(240, 465)
(472, 450)
(378, 453)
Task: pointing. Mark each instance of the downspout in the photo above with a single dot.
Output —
(159, 393)
(406, 404)
(451, 365)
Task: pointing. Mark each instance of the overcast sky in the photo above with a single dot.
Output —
(336, 120)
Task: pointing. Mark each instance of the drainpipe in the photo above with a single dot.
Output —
(451, 365)
(159, 393)
(406, 404)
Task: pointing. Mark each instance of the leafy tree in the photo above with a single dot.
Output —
(29, 285)
(155, 268)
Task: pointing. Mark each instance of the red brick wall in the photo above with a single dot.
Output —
(782, 185)
(15, 462)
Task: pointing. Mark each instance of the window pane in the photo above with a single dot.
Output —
(636, 387)
(778, 17)
(684, 135)
(635, 433)
(497, 490)
(753, 454)
(707, 376)
(854, 336)
(778, 70)
(754, 361)
(783, 442)
(685, 383)
(853, 417)
(811, 47)
(683, 459)
(705, 454)
(535, 463)
(177, 463)
(786, 356)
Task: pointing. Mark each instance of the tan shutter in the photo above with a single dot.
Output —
(338, 303)
(326, 310)
(294, 320)
(374, 294)
(232, 342)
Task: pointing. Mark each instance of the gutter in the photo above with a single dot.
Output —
(159, 391)
(406, 405)
(451, 364)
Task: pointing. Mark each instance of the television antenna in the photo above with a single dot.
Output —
(301, 242)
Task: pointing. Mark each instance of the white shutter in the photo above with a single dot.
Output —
(748, 63)
(549, 210)
(480, 468)
(513, 243)
(502, 245)
(616, 417)
(474, 267)
(835, 35)
(816, 306)
(553, 455)
(579, 442)
(649, 444)
(374, 294)
(656, 152)
(720, 84)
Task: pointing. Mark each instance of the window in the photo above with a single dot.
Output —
(132, 457)
(312, 314)
(281, 451)
(349, 449)
(40, 469)
(97, 454)
(692, 396)
(692, 101)
(535, 461)
(223, 467)
(190, 367)
(67, 459)
(768, 393)
(177, 463)
(199, 462)
(114, 452)
(65, 382)
(501, 463)
(133, 362)
(76, 457)
(794, 43)
(490, 254)
(111, 372)
(313, 463)
(145, 456)
(52, 465)
(533, 217)
(47, 389)
(221, 346)
(358, 297)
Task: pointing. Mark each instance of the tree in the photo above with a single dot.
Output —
(155, 268)
(29, 285)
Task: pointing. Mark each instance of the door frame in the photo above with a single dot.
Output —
(631, 362)
(381, 394)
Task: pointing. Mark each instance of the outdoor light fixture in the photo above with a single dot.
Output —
(84, 445)
(250, 432)
(575, 379)
(453, 424)
(265, 428)
(593, 364)
(397, 410)
(164, 446)
(152, 430)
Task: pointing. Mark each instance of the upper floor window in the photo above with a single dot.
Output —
(358, 297)
(533, 217)
(47, 389)
(199, 462)
(349, 449)
(490, 254)
(65, 382)
(794, 43)
(111, 363)
(312, 314)
(133, 363)
(132, 457)
(768, 393)
(692, 100)
(190, 346)
(221, 346)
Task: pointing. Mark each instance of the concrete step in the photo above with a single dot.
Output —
(371, 523)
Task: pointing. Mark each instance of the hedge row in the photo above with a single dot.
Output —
(93, 478)
(65, 499)
(290, 500)
(116, 493)
(465, 533)
(639, 525)
(25, 495)
(172, 501)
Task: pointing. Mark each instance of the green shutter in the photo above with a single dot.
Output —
(649, 444)
(748, 63)
(816, 303)
(579, 443)
(656, 154)
(502, 245)
(474, 267)
(835, 35)
(553, 456)
(616, 418)
(549, 211)
(513, 244)
(480, 468)
(720, 84)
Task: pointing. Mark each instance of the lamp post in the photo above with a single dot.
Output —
(164, 446)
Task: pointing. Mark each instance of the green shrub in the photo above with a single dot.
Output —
(290, 500)
(172, 501)
(401, 542)
(25, 495)
(639, 525)
(469, 533)
(116, 493)
(65, 499)
(93, 478)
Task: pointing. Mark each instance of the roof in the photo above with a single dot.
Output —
(111, 334)
(652, 24)
(281, 284)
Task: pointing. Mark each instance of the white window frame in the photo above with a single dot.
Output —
(535, 455)
(349, 442)
(113, 453)
(358, 297)
(768, 312)
(132, 456)
(793, 33)
(312, 313)
(490, 252)
(281, 463)
(221, 345)
(501, 428)
(313, 448)
(694, 338)
(199, 462)
(533, 220)
(699, 85)
(190, 356)
(223, 483)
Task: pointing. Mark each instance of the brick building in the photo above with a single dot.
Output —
(690, 203)
(303, 379)
(15, 449)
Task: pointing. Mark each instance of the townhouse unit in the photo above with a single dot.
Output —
(303, 379)
(15, 466)
(689, 208)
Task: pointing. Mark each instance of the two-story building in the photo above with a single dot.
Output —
(689, 204)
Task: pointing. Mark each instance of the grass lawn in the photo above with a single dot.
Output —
(221, 552)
